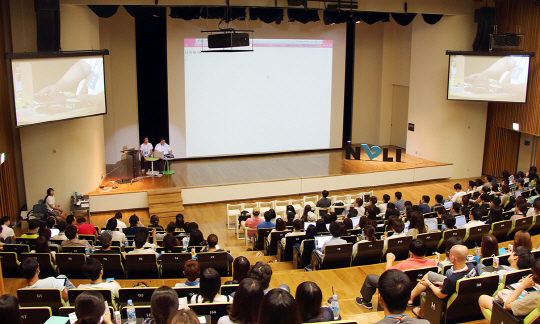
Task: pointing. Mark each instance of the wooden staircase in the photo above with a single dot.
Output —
(165, 203)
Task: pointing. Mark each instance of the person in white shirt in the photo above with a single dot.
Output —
(119, 223)
(112, 228)
(53, 208)
(140, 240)
(93, 270)
(458, 194)
(474, 219)
(62, 235)
(7, 232)
(210, 285)
(30, 271)
(298, 229)
(146, 151)
(163, 147)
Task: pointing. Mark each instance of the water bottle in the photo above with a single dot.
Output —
(130, 310)
(363, 238)
(87, 250)
(93, 248)
(443, 227)
(335, 307)
(193, 254)
(185, 242)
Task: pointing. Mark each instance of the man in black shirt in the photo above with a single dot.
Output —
(135, 226)
(105, 240)
(324, 202)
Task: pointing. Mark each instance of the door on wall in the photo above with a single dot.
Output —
(400, 113)
(528, 145)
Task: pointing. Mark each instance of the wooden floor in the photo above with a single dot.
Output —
(263, 168)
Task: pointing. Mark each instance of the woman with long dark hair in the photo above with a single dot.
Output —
(154, 223)
(245, 306)
(309, 300)
(196, 238)
(90, 308)
(279, 307)
(9, 308)
(210, 284)
(163, 303)
(52, 206)
(241, 267)
(41, 244)
(417, 225)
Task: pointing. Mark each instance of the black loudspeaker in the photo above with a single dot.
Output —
(48, 25)
(486, 15)
(228, 40)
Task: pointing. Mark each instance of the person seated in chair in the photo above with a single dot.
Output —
(7, 231)
(33, 228)
(29, 269)
(93, 270)
(394, 292)
(72, 240)
(105, 240)
(324, 202)
(113, 230)
(439, 199)
(262, 272)
(212, 246)
(443, 286)
(516, 303)
(474, 219)
(424, 205)
(192, 270)
(134, 226)
(62, 234)
(268, 216)
(85, 229)
(210, 286)
(520, 259)
(140, 240)
(417, 251)
(119, 222)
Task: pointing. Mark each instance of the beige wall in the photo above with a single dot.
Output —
(445, 130)
(66, 155)
(122, 120)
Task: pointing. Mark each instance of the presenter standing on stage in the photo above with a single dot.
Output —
(165, 148)
(146, 151)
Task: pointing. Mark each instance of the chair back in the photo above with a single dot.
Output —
(90, 238)
(356, 232)
(290, 242)
(503, 260)
(74, 293)
(142, 266)
(35, 315)
(475, 235)
(197, 248)
(350, 238)
(74, 249)
(27, 241)
(460, 232)
(57, 242)
(274, 239)
(46, 266)
(432, 240)
(176, 249)
(513, 277)
(368, 253)
(112, 265)
(214, 310)
(305, 256)
(464, 302)
(399, 246)
(172, 264)
(138, 295)
(217, 260)
(17, 248)
(430, 214)
(521, 224)
(51, 297)
(336, 256)
(10, 265)
(227, 290)
(500, 229)
(186, 292)
(417, 274)
(70, 264)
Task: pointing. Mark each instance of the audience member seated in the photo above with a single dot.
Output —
(112, 228)
(321, 226)
(263, 273)
(517, 302)
(29, 269)
(210, 285)
(449, 245)
(441, 214)
(458, 193)
(163, 303)
(245, 306)
(7, 235)
(347, 222)
(279, 307)
(474, 219)
(324, 202)
(62, 234)
(280, 227)
(455, 209)
(290, 215)
(196, 238)
(443, 286)
(417, 251)
(358, 205)
(9, 308)
(140, 241)
(134, 226)
(309, 300)
(268, 216)
(53, 208)
(384, 205)
(495, 215)
(520, 259)
(335, 240)
(72, 240)
(170, 229)
(252, 222)
(533, 198)
(305, 214)
(241, 268)
(520, 211)
(535, 210)
(417, 225)
(212, 246)
(93, 270)
(192, 270)
(311, 232)
(85, 229)
(368, 236)
(153, 246)
(70, 219)
(33, 228)
(180, 224)
(169, 240)
(399, 203)
(424, 204)
(439, 202)
(106, 240)
(485, 199)
(449, 223)
(523, 238)
(394, 293)
(41, 245)
(119, 223)
(154, 223)
(90, 309)
(184, 316)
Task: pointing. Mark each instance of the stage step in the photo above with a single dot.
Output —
(165, 203)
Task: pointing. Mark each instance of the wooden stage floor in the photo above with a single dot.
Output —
(263, 168)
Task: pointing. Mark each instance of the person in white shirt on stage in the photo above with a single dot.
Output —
(52, 206)
(146, 151)
(166, 149)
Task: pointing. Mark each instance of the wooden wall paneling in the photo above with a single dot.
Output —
(501, 150)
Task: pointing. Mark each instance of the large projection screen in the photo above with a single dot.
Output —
(48, 89)
(501, 78)
(286, 95)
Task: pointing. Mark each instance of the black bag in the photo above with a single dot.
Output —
(339, 211)
(244, 215)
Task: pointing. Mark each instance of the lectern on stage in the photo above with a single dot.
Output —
(133, 165)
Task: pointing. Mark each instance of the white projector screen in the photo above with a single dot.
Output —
(274, 99)
(488, 78)
(58, 88)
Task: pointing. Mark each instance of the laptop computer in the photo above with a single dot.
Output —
(406, 228)
(460, 221)
(54, 232)
(448, 204)
(355, 221)
(431, 223)
(306, 224)
(517, 194)
(319, 241)
(158, 154)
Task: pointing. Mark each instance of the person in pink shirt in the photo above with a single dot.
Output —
(85, 229)
(252, 222)
(418, 251)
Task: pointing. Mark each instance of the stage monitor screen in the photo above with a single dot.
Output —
(488, 77)
(276, 98)
(48, 89)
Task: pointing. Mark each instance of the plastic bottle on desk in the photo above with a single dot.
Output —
(335, 307)
(193, 254)
(130, 310)
(87, 250)
(185, 242)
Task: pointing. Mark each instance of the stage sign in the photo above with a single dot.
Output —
(372, 153)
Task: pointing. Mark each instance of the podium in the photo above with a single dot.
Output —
(133, 165)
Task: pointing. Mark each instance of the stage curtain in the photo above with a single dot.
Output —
(9, 198)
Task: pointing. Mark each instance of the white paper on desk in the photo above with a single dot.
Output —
(78, 203)
(85, 205)
(202, 319)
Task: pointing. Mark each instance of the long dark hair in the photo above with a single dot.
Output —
(48, 194)
(369, 233)
(164, 302)
(309, 299)
(241, 267)
(154, 220)
(41, 245)
(170, 241)
(245, 306)
(307, 209)
(180, 221)
(279, 307)
(9, 308)
(209, 284)
(196, 238)
(280, 225)
(311, 232)
(417, 221)
(490, 246)
(89, 307)
(321, 226)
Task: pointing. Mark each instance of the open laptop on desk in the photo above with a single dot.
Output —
(406, 229)
(448, 204)
(460, 221)
(355, 221)
(306, 224)
(54, 232)
(158, 154)
(319, 241)
(431, 223)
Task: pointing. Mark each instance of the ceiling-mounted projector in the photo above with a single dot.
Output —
(227, 38)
